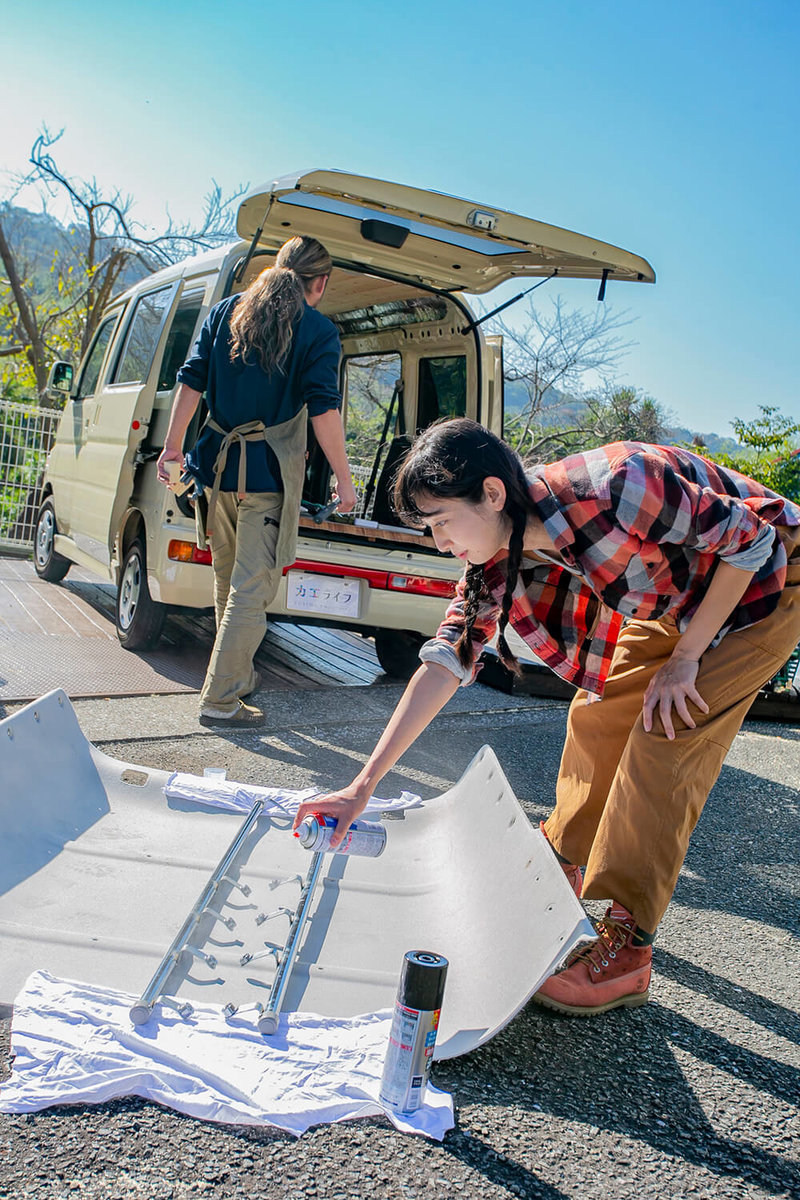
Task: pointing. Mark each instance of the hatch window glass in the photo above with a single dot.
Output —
(140, 344)
(91, 370)
(179, 340)
(374, 416)
(442, 389)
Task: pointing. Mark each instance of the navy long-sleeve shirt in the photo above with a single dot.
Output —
(238, 392)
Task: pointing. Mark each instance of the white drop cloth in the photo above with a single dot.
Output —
(240, 797)
(75, 1044)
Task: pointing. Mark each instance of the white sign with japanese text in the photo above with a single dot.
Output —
(330, 594)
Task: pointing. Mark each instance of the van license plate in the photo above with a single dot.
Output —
(330, 594)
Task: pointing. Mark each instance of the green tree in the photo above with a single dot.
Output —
(770, 455)
(622, 414)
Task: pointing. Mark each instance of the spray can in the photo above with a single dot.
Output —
(412, 1038)
(365, 838)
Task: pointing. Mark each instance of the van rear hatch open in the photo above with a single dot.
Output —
(426, 237)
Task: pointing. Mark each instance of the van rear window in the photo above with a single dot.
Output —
(391, 314)
(143, 334)
(179, 340)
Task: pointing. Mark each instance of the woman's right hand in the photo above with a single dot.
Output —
(345, 805)
(168, 456)
(345, 493)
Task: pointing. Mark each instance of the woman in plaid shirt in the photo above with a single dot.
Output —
(703, 566)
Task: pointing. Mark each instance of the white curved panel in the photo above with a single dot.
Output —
(98, 870)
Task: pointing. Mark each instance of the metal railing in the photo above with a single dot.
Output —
(361, 476)
(26, 435)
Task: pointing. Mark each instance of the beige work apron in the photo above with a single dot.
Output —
(288, 443)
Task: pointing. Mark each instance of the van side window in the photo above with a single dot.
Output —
(179, 340)
(140, 344)
(442, 389)
(91, 371)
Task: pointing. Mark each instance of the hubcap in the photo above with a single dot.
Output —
(129, 591)
(44, 537)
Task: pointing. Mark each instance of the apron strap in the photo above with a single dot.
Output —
(253, 431)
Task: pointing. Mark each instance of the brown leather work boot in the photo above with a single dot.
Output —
(609, 973)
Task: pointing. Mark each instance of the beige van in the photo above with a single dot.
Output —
(413, 351)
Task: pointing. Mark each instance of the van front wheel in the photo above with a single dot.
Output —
(139, 618)
(398, 651)
(48, 565)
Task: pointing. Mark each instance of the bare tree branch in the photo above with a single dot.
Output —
(103, 248)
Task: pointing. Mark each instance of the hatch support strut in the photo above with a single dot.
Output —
(240, 270)
(479, 321)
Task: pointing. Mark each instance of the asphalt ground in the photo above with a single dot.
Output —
(696, 1094)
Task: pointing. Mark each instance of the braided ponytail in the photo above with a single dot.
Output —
(474, 592)
(512, 572)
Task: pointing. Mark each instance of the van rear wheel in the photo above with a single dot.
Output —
(47, 564)
(140, 619)
(398, 651)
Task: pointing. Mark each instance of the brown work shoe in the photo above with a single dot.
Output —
(242, 717)
(608, 973)
(574, 874)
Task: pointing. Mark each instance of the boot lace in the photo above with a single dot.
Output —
(611, 937)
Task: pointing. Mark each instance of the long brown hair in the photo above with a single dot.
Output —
(451, 459)
(263, 319)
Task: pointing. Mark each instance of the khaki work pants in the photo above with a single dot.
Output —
(245, 583)
(627, 801)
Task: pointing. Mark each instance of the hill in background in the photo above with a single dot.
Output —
(37, 238)
(564, 410)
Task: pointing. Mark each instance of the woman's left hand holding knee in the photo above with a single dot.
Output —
(673, 685)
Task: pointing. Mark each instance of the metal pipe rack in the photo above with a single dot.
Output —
(268, 1018)
(142, 1010)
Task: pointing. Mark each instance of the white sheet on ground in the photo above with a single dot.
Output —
(240, 797)
(74, 1044)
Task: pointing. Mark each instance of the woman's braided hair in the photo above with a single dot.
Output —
(451, 459)
(263, 319)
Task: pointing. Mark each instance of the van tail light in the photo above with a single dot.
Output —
(419, 585)
(375, 579)
(188, 552)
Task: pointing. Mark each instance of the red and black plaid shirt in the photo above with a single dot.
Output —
(639, 528)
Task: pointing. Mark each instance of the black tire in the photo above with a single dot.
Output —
(139, 618)
(398, 651)
(48, 565)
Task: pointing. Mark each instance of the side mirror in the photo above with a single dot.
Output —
(59, 381)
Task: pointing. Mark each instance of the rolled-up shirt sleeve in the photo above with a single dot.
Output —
(319, 381)
(440, 649)
(654, 503)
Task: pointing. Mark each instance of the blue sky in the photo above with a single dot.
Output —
(668, 129)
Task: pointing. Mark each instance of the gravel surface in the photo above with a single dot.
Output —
(696, 1094)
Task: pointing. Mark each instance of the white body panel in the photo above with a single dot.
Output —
(98, 871)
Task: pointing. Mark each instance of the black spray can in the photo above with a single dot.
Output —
(415, 1023)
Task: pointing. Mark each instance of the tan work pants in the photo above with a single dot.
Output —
(627, 801)
(245, 583)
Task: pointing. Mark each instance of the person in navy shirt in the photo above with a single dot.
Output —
(266, 361)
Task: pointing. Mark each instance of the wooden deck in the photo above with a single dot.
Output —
(63, 635)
